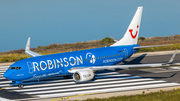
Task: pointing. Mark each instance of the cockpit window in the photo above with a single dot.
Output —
(16, 68)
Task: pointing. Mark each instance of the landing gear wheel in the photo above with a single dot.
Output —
(20, 86)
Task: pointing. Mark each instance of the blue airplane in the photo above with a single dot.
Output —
(81, 65)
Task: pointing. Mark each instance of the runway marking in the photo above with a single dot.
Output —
(2, 78)
(71, 80)
(4, 99)
(91, 84)
(5, 85)
(174, 68)
(3, 69)
(92, 87)
(5, 81)
(59, 84)
(67, 88)
(110, 90)
(4, 66)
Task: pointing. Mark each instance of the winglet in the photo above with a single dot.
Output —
(28, 45)
(28, 51)
(172, 58)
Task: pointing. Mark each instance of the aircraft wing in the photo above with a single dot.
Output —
(169, 63)
(28, 51)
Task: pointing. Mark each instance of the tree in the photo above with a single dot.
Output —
(141, 38)
(107, 40)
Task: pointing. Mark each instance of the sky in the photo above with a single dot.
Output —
(71, 21)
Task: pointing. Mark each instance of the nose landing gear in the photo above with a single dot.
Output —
(19, 83)
(20, 86)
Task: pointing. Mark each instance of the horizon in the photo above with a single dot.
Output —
(82, 42)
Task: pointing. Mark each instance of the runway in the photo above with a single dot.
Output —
(105, 81)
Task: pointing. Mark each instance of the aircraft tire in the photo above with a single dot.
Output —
(20, 86)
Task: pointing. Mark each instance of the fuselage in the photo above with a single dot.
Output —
(59, 64)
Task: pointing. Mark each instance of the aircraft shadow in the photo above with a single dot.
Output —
(136, 60)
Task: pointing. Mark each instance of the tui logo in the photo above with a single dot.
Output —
(131, 31)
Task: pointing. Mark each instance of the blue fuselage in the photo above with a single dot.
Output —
(59, 64)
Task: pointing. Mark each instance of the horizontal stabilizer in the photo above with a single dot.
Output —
(28, 51)
(150, 46)
(33, 54)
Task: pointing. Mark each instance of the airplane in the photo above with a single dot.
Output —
(81, 65)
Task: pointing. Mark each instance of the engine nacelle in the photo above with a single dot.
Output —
(83, 75)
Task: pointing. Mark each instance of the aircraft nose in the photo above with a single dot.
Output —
(7, 75)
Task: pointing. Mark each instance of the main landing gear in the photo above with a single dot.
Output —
(20, 86)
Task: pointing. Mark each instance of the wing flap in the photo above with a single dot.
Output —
(31, 53)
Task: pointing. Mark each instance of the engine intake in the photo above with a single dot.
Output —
(83, 75)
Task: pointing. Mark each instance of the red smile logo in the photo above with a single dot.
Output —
(131, 30)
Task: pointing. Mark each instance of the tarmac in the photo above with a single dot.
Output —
(168, 74)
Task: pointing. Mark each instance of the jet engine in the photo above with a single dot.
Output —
(83, 75)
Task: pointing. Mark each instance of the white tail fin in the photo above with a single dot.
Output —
(131, 35)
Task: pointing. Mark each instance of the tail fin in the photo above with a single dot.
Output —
(131, 35)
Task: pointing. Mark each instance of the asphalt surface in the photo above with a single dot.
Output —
(108, 81)
(167, 74)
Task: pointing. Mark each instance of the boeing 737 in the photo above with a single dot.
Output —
(81, 65)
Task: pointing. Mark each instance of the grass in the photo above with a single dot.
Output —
(162, 48)
(16, 55)
(173, 95)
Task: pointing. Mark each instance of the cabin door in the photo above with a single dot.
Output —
(30, 67)
(126, 52)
